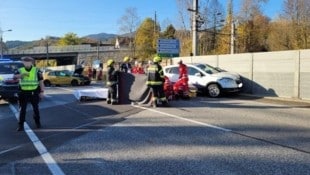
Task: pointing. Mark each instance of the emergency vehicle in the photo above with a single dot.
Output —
(8, 86)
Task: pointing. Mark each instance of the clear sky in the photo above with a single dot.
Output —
(36, 19)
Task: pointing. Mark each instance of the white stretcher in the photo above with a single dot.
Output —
(91, 93)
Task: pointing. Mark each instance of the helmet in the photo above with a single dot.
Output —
(157, 59)
(126, 59)
(110, 62)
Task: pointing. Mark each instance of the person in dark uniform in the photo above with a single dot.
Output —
(31, 89)
(155, 80)
(112, 81)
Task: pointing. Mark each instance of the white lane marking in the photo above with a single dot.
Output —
(185, 119)
(46, 156)
(11, 149)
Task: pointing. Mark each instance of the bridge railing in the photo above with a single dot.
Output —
(61, 49)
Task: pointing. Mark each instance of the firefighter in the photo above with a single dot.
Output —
(126, 66)
(155, 79)
(31, 90)
(112, 81)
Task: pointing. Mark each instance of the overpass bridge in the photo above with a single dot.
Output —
(72, 54)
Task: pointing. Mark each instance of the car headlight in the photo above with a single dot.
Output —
(226, 80)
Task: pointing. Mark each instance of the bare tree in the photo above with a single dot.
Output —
(213, 14)
(129, 23)
(185, 21)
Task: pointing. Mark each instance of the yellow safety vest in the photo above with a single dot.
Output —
(30, 82)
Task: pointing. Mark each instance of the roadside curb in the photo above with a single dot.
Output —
(277, 99)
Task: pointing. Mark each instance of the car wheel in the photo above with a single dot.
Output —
(47, 83)
(74, 83)
(213, 90)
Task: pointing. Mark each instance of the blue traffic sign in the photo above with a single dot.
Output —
(168, 47)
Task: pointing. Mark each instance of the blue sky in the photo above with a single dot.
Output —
(36, 19)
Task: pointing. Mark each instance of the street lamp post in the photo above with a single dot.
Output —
(47, 51)
(1, 40)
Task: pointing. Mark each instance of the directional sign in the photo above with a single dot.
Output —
(168, 47)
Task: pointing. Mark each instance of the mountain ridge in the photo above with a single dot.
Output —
(99, 36)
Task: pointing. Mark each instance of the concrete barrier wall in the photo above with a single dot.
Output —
(280, 74)
(304, 74)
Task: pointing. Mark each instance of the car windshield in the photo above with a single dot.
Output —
(9, 68)
(208, 69)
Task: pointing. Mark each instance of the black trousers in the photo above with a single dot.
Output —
(158, 91)
(112, 92)
(24, 98)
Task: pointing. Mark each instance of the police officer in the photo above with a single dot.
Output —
(112, 81)
(155, 79)
(31, 90)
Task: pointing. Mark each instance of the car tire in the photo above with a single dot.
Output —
(213, 90)
(74, 83)
(47, 83)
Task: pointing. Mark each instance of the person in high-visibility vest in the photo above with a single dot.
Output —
(31, 89)
(155, 80)
(112, 81)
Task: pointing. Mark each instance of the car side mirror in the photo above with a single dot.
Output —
(198, 74)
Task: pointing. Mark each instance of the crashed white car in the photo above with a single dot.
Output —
(207, 79)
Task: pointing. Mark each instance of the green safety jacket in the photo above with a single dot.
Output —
(155, 75)
(31, 82)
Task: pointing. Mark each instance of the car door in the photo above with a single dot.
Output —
(52, 77)
(172, 73)
(62, 78)
(195, 77)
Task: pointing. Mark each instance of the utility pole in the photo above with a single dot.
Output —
(195, 14)
(155, 30)
(98, 46)
(232, 38)
(47, 52)
(232, 27)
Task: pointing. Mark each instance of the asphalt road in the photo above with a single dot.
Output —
(232, 135)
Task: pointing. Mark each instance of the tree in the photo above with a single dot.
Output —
(253, 27)
(129, 23)
(281, 36)
(69, 39)
(183, 23)
(169, 32)
(213, 16)
(224, 39)
(297, 13)
(146, 40)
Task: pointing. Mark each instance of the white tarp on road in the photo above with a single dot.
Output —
(100, 93)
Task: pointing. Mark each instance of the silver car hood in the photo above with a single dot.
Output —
(231, 75)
